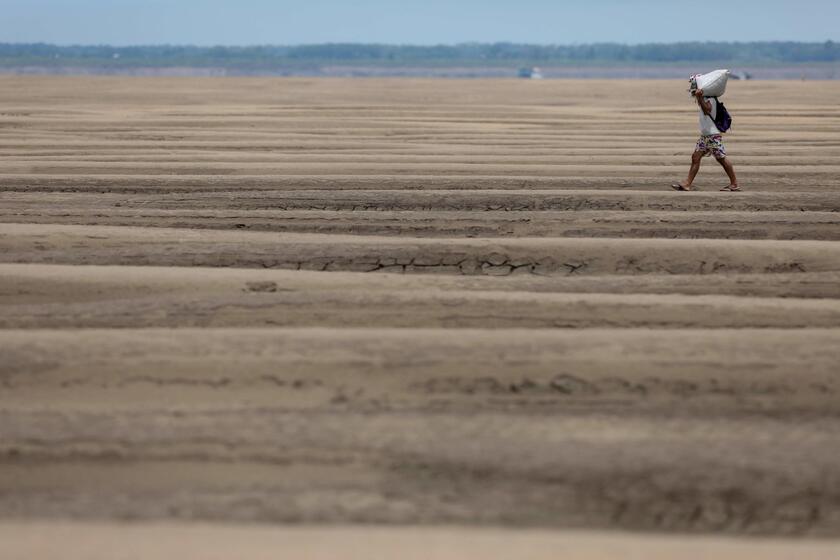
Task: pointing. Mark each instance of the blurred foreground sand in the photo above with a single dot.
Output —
(212, 542)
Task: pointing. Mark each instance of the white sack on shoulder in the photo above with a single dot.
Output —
(713, 84)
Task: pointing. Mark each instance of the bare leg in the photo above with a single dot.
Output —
(730, 171)
(696, 158)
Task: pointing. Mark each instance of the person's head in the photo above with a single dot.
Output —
(692, 84)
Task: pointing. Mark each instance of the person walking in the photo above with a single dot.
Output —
(710, 144)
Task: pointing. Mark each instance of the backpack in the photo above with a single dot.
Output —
(723, 120)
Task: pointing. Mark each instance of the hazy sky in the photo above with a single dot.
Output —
(248, 22)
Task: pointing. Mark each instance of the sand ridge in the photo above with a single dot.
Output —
(417, 302)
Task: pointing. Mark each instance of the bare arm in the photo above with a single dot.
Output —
(705, 106)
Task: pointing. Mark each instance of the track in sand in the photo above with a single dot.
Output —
(420, 303)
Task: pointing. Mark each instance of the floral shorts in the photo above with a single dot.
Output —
(711, 146)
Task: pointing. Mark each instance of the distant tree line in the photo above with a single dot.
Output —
(468, 54)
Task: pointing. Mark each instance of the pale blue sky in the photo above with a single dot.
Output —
(248, 22)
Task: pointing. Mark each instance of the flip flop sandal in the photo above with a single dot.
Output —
(731, 188)
(679, 187)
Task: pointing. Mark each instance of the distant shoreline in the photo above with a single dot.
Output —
(829, 71)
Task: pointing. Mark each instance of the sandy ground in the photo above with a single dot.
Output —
(164, 542)
(412, 303)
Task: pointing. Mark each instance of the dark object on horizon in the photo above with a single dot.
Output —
(741, 75)
(531, 73)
